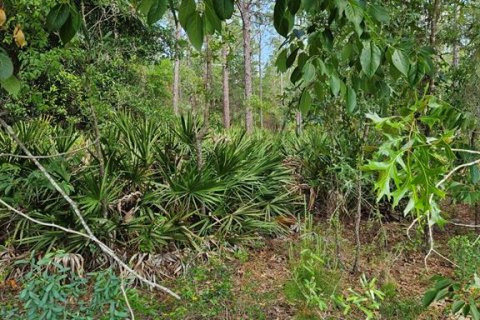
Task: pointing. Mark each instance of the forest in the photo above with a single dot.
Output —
(239, 159)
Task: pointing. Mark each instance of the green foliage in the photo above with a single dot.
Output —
(466, 255)
(224, 8)
(206, 292)
(314, 283)
(395, 306)
(370, 58)
(413, 163)
(242, 187)
(342, 43)
(368, 301)
(53, 291)
(464, 296)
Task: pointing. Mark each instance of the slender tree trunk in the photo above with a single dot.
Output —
(226, 88)
(260, 77)
(455, 58)
(358, 219)
(247, 58)
(434, 16)
(299, 122)
(176, 72)
(476, 207)
(206, 111)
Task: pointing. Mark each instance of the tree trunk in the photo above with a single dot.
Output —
(434, 16)
(226, 88)
(299, 122)
(206, 111)
(176, 72)
(358, 220)
(247, 59)
(260, 77)
(455, 58)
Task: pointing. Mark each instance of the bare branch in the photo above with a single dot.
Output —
(125, 297)
(465, 225)
(430, 226)
(466, 151)
(447, 176)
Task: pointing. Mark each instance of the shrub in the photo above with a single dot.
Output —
(53, 291)
(466, 254)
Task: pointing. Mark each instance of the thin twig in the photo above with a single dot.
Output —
(466, 151)
(46, 224)
(465, 225)
(430, 226)
(79, 215)
(414, 222)
(125, 297)
(447, 176)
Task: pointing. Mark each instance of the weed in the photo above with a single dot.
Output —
(466, 254)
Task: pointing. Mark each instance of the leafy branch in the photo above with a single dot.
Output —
(416, 159)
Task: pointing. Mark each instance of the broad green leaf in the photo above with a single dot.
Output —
(442, 283)
(278, 14)
(413, 74)
(370, 58)
(157, 10)
(6, 66)
(282, 19)
(400, 62)
(305, 101)
(353, 12)
(293, 6)
(224, 8)
(71, 27)
(474, 310)
(213, 23)
(457, 306)
(310, 4)
(474, 174)
(57, 16)
(466, 310)
(347, 52)
(187, 9)
(379, 13)
(442, 294)
(308, 72)
(351, 100)
(429, 297)
(12, 85)
(296, 75)
(145, 6)
(335, 84)
(281, 62)
(291, 57)
(194, 29)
